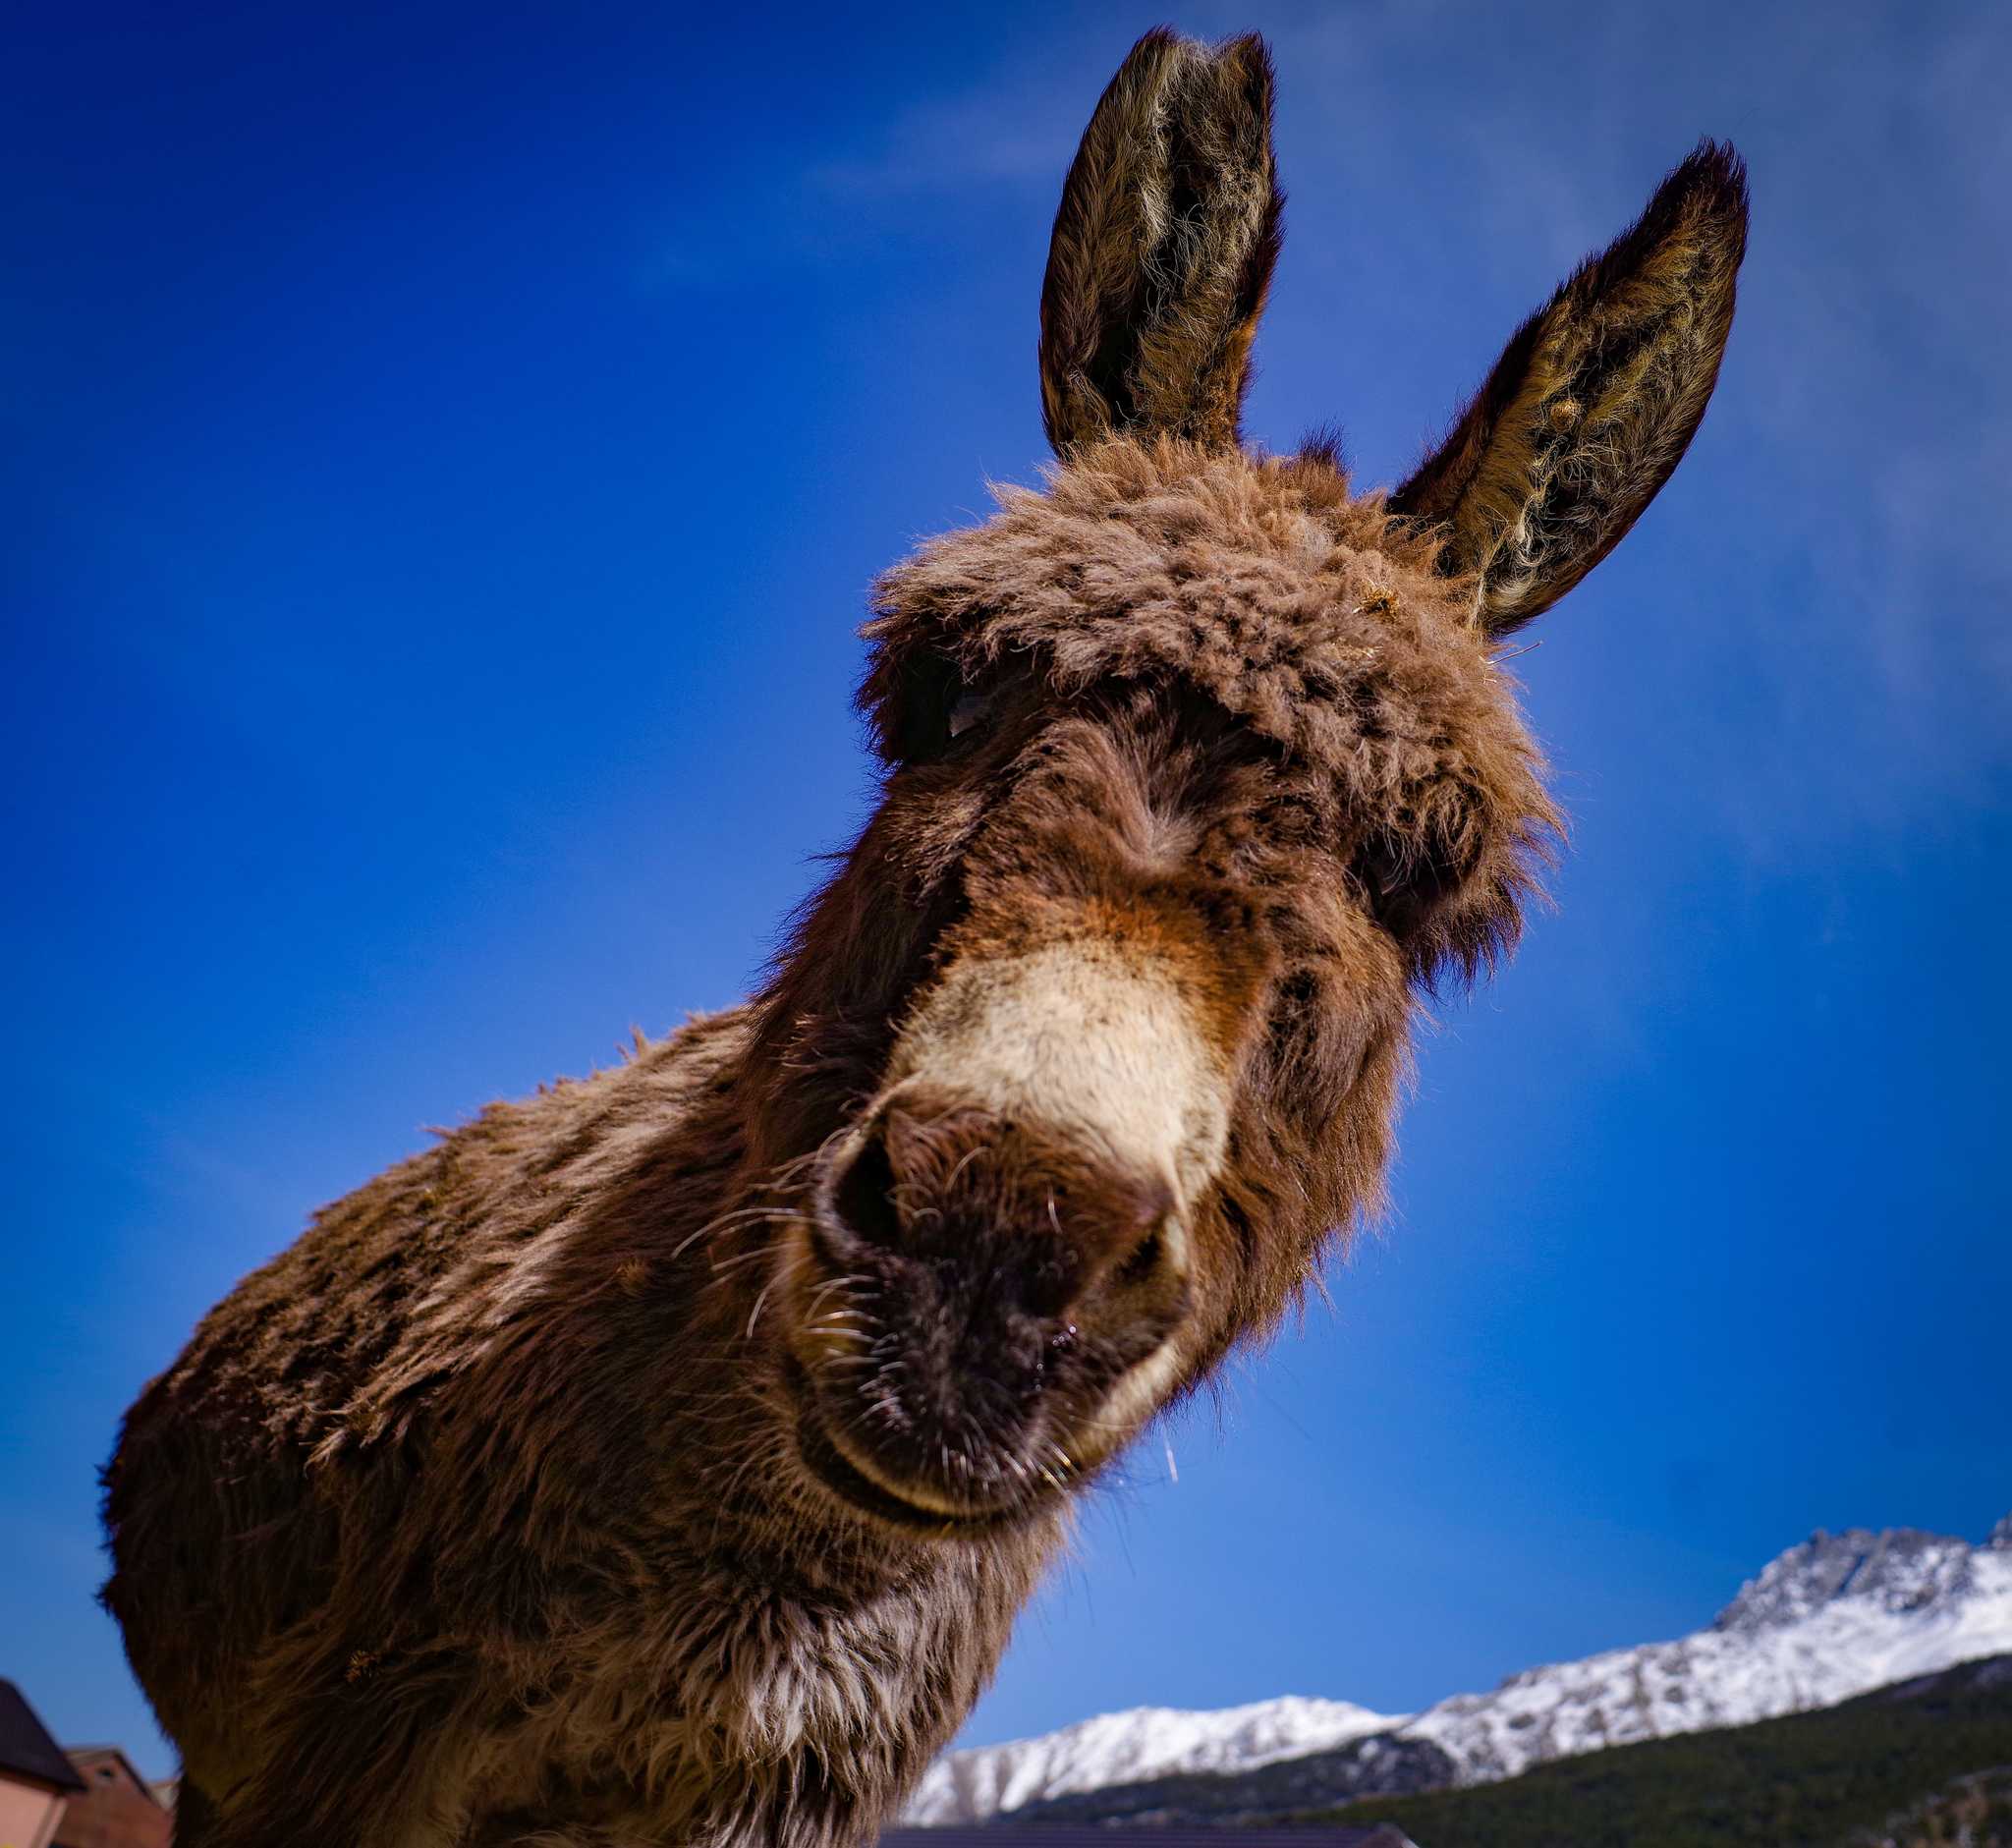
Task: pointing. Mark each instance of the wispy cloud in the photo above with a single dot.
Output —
(1013, 130)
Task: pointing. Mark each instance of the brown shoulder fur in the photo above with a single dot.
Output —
(462, 1501)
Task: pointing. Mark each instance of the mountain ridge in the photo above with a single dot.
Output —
(1827, 1620)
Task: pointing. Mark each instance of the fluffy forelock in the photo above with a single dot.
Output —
(1309, 614)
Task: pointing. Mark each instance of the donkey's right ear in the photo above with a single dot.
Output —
(1163, 247)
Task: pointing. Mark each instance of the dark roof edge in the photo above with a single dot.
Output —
(25, 1748)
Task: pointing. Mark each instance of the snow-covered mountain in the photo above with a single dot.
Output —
(1839, 1615)
(1125, 1748)
(1834, 1617)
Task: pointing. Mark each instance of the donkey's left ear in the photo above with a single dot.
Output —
(1591, 403)
(1163, 247)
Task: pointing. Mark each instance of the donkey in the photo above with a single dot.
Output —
(663, 1459)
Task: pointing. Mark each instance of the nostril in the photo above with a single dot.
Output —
(1144, 1260)
(864, 1196)
(1051, 1281)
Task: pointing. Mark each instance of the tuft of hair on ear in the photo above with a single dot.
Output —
(1593, 403)
(1327, 445)
(1163, 247)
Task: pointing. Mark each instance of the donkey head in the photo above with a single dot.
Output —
(1197, 769)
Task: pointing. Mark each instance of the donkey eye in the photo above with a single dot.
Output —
(1403, 882)
(972, 703)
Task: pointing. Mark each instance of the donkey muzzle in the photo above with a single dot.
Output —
(1001, 1269)
(998, 1282)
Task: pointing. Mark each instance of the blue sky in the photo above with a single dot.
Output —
(445, 450)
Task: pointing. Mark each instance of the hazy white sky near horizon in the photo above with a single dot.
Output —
(448, 453)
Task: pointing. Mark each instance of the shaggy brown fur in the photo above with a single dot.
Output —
(663, 1459)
